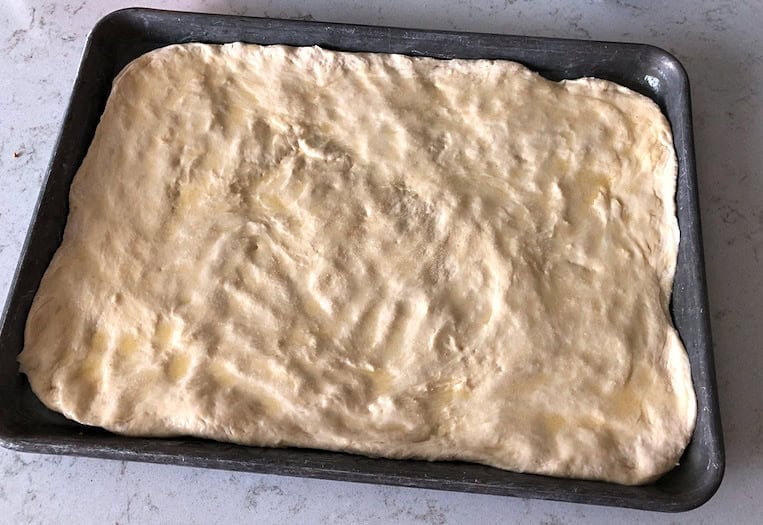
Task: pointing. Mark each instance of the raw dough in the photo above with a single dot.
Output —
(392, 256)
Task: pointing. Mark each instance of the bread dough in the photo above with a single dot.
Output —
(392, 256)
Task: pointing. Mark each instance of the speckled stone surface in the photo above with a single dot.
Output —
(721, 45)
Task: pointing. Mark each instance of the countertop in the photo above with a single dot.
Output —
(721, 45)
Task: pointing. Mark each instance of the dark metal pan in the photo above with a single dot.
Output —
(26, 425)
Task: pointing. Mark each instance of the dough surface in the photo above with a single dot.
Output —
(392, 256)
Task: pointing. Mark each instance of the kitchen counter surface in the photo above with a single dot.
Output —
(721, 45)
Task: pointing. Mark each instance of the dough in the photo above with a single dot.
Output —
(392, 256)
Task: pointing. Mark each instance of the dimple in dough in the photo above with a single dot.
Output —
(392, 256)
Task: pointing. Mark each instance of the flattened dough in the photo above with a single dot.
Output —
(378, 254)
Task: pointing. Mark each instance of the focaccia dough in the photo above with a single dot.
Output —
(393, 256)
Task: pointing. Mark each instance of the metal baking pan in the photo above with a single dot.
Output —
(26, 425)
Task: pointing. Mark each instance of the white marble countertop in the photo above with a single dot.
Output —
(721, 45)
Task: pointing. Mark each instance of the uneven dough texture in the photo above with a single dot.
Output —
(379, 254)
